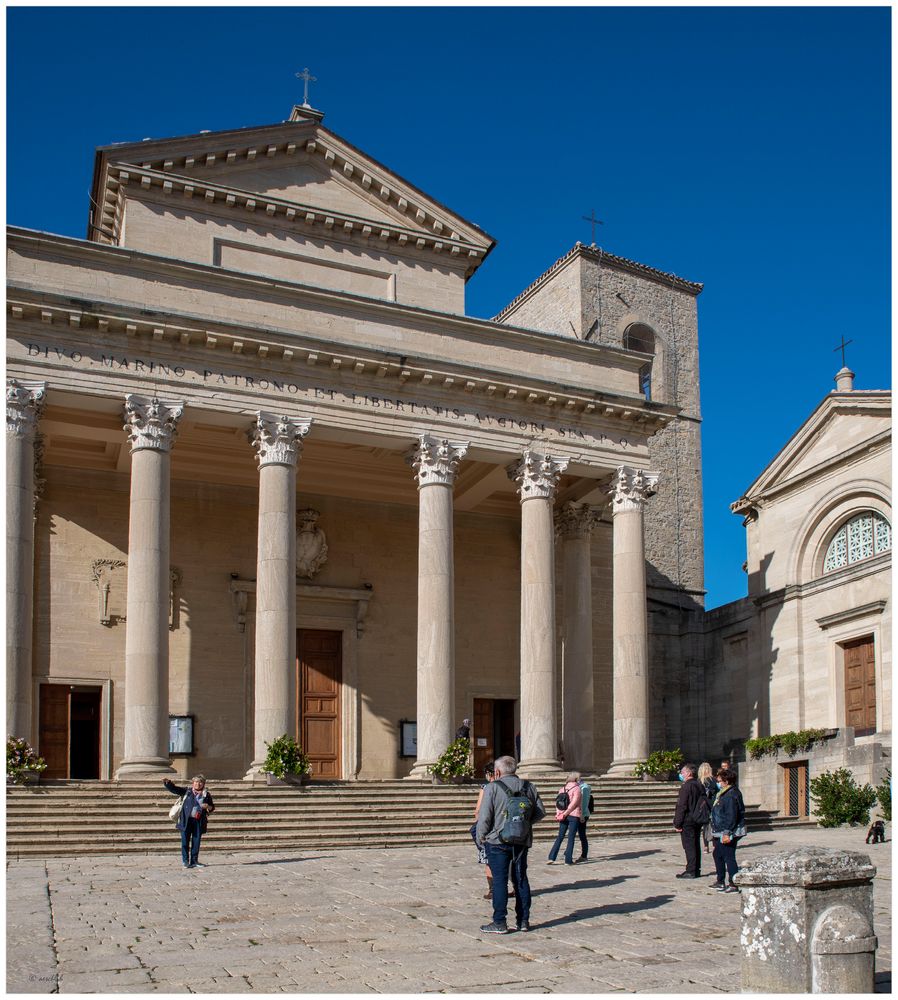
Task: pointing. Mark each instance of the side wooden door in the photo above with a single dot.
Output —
(319, 673)
(53, 737)
(860, 686)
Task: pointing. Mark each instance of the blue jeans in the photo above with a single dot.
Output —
(190, 841)
(569, 826)
(501, 857)
(725, 858)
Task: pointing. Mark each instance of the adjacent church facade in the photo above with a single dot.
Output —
(265, 476)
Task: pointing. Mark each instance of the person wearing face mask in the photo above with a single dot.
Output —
(691, 802)
(727, 828)
(193, 818)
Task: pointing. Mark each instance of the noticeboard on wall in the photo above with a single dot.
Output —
(180, 734)
(408, 738)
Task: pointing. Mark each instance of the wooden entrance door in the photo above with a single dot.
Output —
(318, 676)
(69, 735)
(860, 686)
(492, 731)
(795, 789)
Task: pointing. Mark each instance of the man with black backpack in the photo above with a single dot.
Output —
(508, 811)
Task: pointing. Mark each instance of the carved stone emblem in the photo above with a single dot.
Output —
(311, 544)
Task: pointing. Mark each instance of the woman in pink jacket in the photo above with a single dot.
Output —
(567, 812)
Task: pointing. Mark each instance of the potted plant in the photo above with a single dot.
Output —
(23, 766)
(453, 766)
(286, 763)
(659, 765)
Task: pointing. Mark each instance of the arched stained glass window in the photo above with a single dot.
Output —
(863, 536)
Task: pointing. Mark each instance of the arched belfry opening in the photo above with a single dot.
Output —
(640, 337)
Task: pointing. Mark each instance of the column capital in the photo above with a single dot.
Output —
(630, 488)
(24, 402)
(576, 518)
(435, 460)
(151, 423)
(536, 475)
(277, 439)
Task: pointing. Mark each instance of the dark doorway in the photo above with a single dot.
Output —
(492, 733)
(69, 736)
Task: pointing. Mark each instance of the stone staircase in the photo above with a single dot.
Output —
(87, 818)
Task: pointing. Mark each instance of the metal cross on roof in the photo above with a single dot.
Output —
(306, 78)
(842, 347)
(595, 222)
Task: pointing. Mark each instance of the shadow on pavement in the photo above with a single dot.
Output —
(592, 883)
(649, 903)
(758, 843)
(627, 855)
(289, 861)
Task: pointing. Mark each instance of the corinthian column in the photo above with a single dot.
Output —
(277, 441)
(629, 491)
(435, 461)
(537, 477)
(24, 401)
(574, 523)
(151, 428)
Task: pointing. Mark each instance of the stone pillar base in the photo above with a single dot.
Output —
(622, 768)
(543, 768)
(144, 767)
(419, 772)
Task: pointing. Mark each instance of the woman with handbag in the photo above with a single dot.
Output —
(727, 829)
(196, 804)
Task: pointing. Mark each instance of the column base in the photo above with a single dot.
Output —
(419, 772)
(144, 767)
(542, 768)
(623, 768)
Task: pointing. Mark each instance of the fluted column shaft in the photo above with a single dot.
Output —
(23, 404)
(575, 523)
(630, 490)
(537, 477)
(435, 461)
(278, 444)
(151, 427)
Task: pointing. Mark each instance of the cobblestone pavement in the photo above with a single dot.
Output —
(387, 921)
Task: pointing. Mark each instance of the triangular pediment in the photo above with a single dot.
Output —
(843, 425)
(298, 171)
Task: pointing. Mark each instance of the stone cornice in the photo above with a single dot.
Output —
(387, 236)
(851, 614)
(849, 574)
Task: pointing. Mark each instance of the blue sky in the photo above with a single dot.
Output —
(747, 148)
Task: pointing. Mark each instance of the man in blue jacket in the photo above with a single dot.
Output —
(193, 818)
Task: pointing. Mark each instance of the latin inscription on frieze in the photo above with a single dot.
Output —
(286, 388)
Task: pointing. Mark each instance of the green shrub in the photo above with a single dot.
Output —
(792, 743)
(659, 763)
(839, 799)
(21, 760)
(285, 756)
(454, 762)
(884, 794)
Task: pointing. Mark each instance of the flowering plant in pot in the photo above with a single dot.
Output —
(22, 762)
(286, 762)
(453, 766)
(659, 765)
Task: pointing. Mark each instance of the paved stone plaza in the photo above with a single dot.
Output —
(387, 921)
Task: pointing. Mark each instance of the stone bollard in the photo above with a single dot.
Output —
(807, 922)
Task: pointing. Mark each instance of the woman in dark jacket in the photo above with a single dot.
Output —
(727, 828)
(193, 818)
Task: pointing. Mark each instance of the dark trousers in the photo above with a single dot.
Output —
(725, 859)
(190, 841)
(584, 843)
(501, 858)
(566, 826)
(691, 836)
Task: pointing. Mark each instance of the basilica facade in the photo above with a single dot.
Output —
(265, 476)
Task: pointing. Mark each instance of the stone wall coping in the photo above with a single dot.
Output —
(809, 868)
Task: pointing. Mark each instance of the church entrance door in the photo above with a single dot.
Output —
(492, 732)
(860, 686)
(318, 677)
(69, 734)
